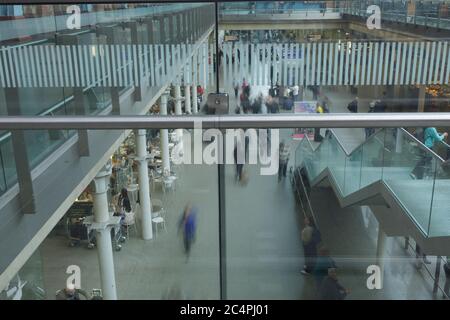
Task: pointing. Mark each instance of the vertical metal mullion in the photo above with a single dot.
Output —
(392, 56)
(414, 62)
(22, 69)
(3, 69)
(98, 74)
(59, 66)
(409, 64)
(313, 63)
(402, 72)
(16, 67)
(64, 67)
(358, 64)
(332, 64)
(432, 65)
(135, 65)
(113, 63)
(437, 63)
(75, 65)
(70, 65)
(307, 65)
(426, 62)
(5, 53)
(380, 66)
(302, 65)
(318, 67)
(444, 61)
(341, 64)
(422, 52)
(447, 75)
(92, 65)
(49, 66)
(364, 65)
(130, 64)
(375, 64)
(108, 70)
(325, 63)
(146, 63)
(123, 67)
(369, 64)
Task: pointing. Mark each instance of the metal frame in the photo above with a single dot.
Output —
(344, 120)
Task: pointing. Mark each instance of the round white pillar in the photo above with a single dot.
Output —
(144, 186)
(103, 236)
(164, 135)
(187, 99)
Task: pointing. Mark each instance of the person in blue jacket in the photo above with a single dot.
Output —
(430, 137)
(188, 223)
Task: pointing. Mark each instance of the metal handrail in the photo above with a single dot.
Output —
(308, 201)
(336, 120)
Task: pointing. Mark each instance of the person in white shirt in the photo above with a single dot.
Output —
(295, 92)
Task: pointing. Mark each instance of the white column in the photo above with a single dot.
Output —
(178, 111)
(164, 135)
(103, 236)
(381, 244)
(144, 187)
(187, 99)
(194, 98)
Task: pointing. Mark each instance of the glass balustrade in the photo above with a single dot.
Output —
(416, 177)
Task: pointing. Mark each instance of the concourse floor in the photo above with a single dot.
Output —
(264, 255)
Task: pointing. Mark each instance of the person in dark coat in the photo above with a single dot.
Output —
(323, 263)
(310, 240)
(331, 289)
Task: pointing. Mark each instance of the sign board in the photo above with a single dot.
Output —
(305, 106)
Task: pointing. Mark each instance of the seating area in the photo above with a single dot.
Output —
(163, 183)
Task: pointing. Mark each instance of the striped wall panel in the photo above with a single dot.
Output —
(331, 63)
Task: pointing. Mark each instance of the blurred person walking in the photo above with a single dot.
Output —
(310, 239)
(323, 263)
(331, 289)
(188, 223)
(283, 160)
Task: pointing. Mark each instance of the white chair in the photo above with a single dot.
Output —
(157, 208)
(169, 183)
(158, 215)
(128, 222)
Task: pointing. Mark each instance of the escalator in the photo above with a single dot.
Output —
(378, 174)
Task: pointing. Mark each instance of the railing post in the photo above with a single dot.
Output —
(437, 274)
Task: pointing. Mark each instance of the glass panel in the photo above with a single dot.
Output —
(372, 159)
(353, 172)
(258, 265)
(28, 283)
(9, 165)
(41, 143)
(337, 162)
(409, 171)
(440, 220)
